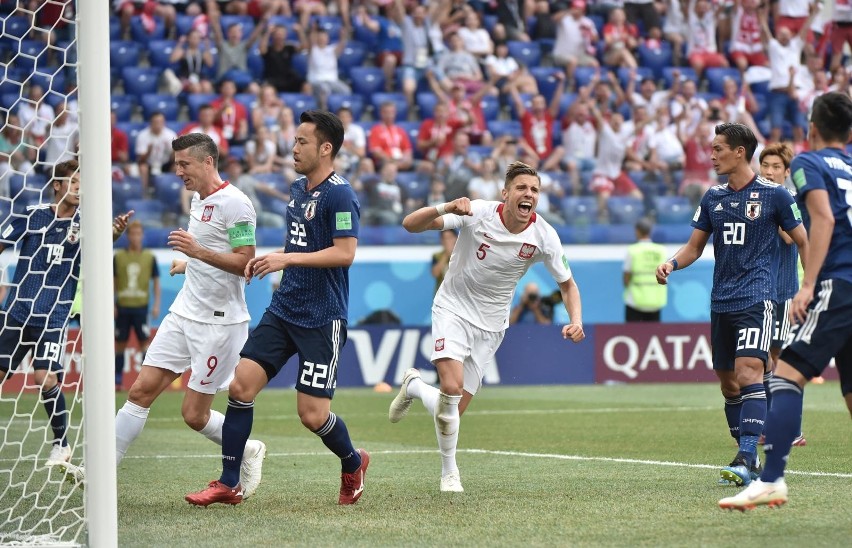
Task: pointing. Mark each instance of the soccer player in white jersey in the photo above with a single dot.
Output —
(208, 321)
(498, 242)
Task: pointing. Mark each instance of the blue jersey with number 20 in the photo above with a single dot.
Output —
(744, 224)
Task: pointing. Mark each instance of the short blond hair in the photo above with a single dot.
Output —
(782, 150)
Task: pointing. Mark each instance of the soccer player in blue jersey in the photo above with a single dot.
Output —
(42, 291)
(823, 179)
(775, 166)
(744, 216)
(307, 315)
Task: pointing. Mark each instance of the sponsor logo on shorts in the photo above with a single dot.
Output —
(527, 251)
(208, 214)
(439, 344)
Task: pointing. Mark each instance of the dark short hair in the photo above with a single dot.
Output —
(738, 135)
(516, 169)
(328, 128)
(65, 169)
(200, 146)
(832, 116)
(644, 226)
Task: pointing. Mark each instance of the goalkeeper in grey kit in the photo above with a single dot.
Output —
(39, 301)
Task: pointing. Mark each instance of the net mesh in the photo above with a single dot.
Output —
(38, 506)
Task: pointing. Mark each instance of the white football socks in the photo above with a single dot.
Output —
(129, 422)
(447, 430)
(426, 393)
(213, 429)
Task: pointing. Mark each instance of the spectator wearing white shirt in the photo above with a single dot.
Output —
(457, 66)
(675, 28)
(687, 107)
(579, 140)
(576, 39)
(322, 66)
(666, 153)
(475, 38)
(260, 152)
(648, 95)
(609, 177)
(486, 186)
(505, 71)
(354, 146)
(35, 116)
(62, 139)
(154, 149)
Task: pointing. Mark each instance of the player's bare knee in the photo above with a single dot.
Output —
(240, 391)
(194, 418)
(140, 395)
(311, 419)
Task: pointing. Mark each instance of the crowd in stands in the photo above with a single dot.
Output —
(613, 101)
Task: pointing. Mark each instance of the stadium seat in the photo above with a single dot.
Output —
(132, 130)
(398, 99)
(269, 237)
(300, 64)
(525, 53)
(139, 81)
(183, 23)
(168, 188)
(426, 102)
(367, 80)
(547, 83)
(255, 63)
(353, 102)
(412, 184)
(242, 78)
(498, 128)
(716, 78)
(139, 34)
(412, 129)
(124, 54)
(55, 81)
(16, 26)
(673, 209)
(599, 22)
(353, 55)
(167, 104)
(123, 106)
(32, 55)
(686, 73)
(655, 59)
(196, 100)
(128, 189)
(286, 21)
(30, 183)
(566, 102)
(641, 74)
(148, 212)
(159, 53)
(245, 21)
(625, 209)
(584, 75)
(9, 101)
(298, 102)
(490, 106)
(526, 99)
(579, 210)
(483, 151)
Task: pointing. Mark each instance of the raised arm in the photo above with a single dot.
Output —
(557, 95)
(430, 217)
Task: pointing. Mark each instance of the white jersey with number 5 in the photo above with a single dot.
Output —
(210, 295)
(488, 261)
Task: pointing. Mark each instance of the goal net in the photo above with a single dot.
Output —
(41, 397)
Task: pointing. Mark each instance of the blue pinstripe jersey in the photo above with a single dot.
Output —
(48, 266)
(313, 297)
(829, 169)
(788, 269)
(744, 224)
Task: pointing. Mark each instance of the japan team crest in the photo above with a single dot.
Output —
(207, 214)
(310, 210)
(439, 344)
(73, 233)
(752, 210)
(527, 251)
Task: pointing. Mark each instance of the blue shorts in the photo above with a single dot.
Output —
(274, 341)
(741, 334)
(135, 318)
(782, 324)
(825, 334)
(46, 343)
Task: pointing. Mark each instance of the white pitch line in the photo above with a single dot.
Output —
(554, 456)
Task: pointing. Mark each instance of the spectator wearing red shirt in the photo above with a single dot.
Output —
(620, 39)
(467, 110)
(205, 125)
(702, 50)
(120, 145)
(746, 43)
(435, 138)
(537, 126)
(388, 142)
(698, 174)
(229, 115)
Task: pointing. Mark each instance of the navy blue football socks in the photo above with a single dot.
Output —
(733, 411)
(783, 425)
(753, 417)
(54, 404)
(335, 436)
(767, 378)
(119, 368)
(235, 433)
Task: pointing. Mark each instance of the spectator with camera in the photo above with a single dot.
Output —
(533, 307)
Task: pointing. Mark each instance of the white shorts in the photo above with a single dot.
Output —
(212, 351)
(458, 339)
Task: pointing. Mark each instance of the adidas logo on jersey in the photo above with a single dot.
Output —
(718, 207)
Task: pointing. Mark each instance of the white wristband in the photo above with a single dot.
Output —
(441, 208)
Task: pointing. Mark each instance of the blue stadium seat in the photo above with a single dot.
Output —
(547, 83)
(196, 100)
(426, 102)
(579, 210)
(11, 80)
(123, 106)
(183, 23)
(245, 21)
(716, 78)
(124, 54)
(242, 78)
(330, 23)
(255, 63)
(140, 35)
(31, 54)
(353, 55)
(32, 183)
(168, 188)
(298, 102)
(685, 73)
(9, 101)
(132, 130)
(483, 151)
(625, 209)
(148, 212)
(398, 99)
(490, 106)
(128, 189)
(526, 53)
(167, 104)
(139, 81)
(673, 209)
(599, 22)
(655, 59)
(286, 21)
(55, 81)
(159, 53)
(566, 102)
(498, 128)
(367, 80)
(413, 185)
(641, 74)
(353, 102)
(583, 75)
(16, 26)
(269, 237)
(412, 129)
(300, 64)
(526, 99)
(248, 100)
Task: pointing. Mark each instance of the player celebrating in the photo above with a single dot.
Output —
(775, 166)
(42, 292)
(744, 215)
(307, 314)
(208, 320)
(823, 179)
(497, 244)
